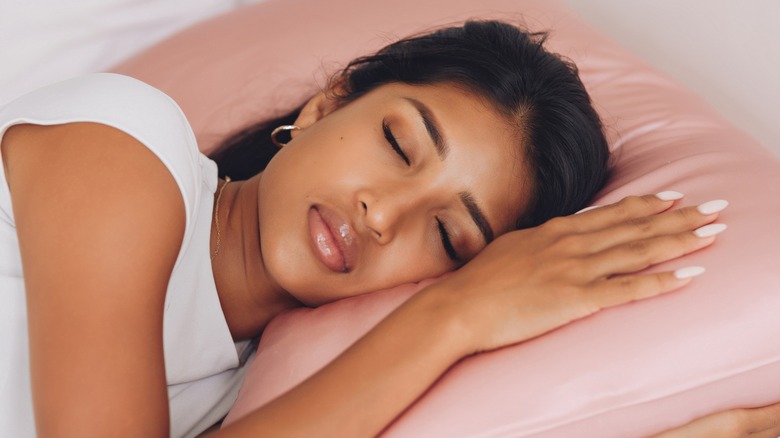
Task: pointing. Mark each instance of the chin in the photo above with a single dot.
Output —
(297, 274)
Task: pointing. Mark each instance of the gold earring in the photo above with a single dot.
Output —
(279, 129)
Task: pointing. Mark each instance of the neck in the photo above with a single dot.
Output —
(248, 295)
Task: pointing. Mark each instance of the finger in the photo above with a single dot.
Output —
(628, 208)
(640, 254)
(628, 288)
(764, 421)
(668, 222)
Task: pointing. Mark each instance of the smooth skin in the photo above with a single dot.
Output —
(96, 275)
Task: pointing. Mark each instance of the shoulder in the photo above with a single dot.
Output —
(87, 168)
(93, 207)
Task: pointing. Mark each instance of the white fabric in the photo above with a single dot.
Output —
(201, 360)
(46, 41)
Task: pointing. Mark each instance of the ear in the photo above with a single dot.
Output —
(316, 108)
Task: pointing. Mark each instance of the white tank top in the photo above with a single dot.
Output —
(201, 360)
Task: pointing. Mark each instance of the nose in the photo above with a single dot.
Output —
(383, 216)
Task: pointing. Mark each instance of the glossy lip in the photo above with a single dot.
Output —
(333, 239)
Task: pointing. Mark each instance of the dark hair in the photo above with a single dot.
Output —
(560, 133)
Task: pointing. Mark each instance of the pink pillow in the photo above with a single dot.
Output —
(630, 371)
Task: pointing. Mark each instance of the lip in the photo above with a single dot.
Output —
(333, 239)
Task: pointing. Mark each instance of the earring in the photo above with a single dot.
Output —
(279, 129)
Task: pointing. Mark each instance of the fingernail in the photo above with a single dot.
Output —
(592, 207)
(690, 271)
(709, 230)
(669, 195)
(712, 206)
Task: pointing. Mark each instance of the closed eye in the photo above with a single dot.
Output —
(391, 139)
(447, 242)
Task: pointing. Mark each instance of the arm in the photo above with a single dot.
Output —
(523, 285)
(100, 222)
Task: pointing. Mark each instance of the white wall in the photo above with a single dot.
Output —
(728, 51)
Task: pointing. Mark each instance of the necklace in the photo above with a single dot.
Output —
(216, 214)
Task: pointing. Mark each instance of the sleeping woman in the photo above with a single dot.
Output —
(134, 270)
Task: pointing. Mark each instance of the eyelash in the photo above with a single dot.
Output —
(447, 242)
(391, 139)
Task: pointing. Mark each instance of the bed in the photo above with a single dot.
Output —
(631, 371)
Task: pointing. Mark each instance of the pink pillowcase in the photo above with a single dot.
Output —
(630, 371)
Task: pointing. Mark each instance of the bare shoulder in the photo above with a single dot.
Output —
(91, 172)
(89, 163)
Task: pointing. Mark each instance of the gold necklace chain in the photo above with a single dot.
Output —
(216, 214)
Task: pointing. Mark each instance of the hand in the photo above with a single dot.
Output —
(529, 282)
(736, 423)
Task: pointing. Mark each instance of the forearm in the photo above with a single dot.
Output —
(372, 382)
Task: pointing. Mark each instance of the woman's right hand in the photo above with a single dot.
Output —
(531, 281)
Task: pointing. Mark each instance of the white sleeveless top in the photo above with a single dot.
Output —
(201, 359)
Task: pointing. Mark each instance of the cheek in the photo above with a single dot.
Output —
(282, 247)
(410, 259)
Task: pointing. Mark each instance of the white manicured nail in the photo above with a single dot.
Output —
(690, 271)
(669, 195)
(592, 207)
(709, 230)
(712, 206)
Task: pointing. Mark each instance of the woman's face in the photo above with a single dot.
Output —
(404, 183)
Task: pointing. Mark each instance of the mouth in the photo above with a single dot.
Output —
(333, 239)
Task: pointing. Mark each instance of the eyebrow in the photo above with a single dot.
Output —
(432, 126)
(477, 216)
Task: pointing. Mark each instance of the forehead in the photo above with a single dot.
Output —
(486, 153)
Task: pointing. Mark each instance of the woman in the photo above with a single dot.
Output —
(411, 163)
